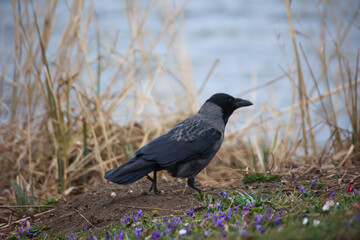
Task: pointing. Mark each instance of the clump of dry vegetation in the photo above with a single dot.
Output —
(63, 125)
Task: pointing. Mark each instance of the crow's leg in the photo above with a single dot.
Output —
(153, 185)
(191, 183)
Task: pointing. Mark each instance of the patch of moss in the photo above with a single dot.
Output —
(260, 178)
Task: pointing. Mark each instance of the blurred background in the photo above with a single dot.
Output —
(84, 84)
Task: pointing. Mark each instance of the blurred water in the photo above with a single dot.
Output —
(250, 38)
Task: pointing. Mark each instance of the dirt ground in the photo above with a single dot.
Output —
(101, 209)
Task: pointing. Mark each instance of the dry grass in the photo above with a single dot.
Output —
(63, 125)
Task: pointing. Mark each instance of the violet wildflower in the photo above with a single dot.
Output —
(20, 232)
(357, 217)
(156, 235)
(166, 231)
(257, 219)
(23, 223)
(302, 189)
(314, 182)
(86, 227)
(243, 232)
(356, 192)
(175, 222)
(218, 205)
(107, 236)
(125, 219)
(223, 235)
(139, 214)
(236, 208)
(250, 205)
(295, 182)
(276, 220)
(89, 237)
(281, 211)
(137, 232)
(230, 212)
(190, 212)
(219, 224)
(134, 217)
(119, 235)
(332, 193)
(260, 228)
(206, 233)
(223, 194)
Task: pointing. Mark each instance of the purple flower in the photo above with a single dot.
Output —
(20, 232)
(86, 227)
(125, 219)
(276, 220)
(257, 219)
(23, 223)
(219, 224)
(174, 222)
(356, 192)
(236, 208)
(357, 217)
(139, 214)
(218, 205)
(206, 233)
(250, 205)
(107, 236)
(295, 182)
(223, 194)
(89, 237)
(332, 193)
(302, 189)
(156, 235)
(259, 228)
(137, 232)
(166, 231)
(119, 235)
(243, 232)
(281, 211)
(190, 212)
(223, 235)
(71, 236)
(230, 212)
(314, 182)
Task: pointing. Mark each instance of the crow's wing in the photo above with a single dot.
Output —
(188, 140)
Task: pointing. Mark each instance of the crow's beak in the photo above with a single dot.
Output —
(242, 103)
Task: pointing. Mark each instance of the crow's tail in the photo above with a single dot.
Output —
(131, 171)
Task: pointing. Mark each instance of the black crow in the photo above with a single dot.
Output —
(185, 149)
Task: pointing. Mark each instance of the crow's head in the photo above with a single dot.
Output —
(228, 104)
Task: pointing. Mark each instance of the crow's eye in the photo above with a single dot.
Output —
(230, 99)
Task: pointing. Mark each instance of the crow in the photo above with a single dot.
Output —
(185, 149)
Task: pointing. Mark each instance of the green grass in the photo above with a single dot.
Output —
(260, 178)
